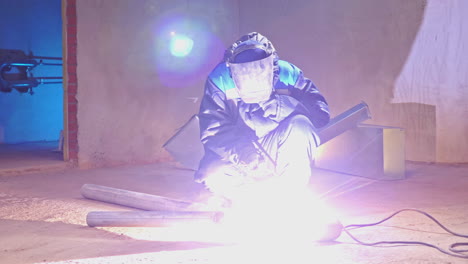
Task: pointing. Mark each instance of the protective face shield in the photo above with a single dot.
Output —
(254, 79)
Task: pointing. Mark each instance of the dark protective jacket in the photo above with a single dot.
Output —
(228, 126)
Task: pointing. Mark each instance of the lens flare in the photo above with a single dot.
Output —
(181, 45)
(185, 50)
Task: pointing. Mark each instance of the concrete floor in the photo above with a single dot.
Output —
(30, 157)
(43, 219)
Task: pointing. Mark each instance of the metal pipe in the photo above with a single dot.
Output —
(51, 64)
(48, 78)
(45, 58)
(137, 200)
(50, 82)
(345, 121)
(150, 218)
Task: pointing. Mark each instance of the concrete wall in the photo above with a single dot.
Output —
(406, 59)
(132, 93)
(32, 26)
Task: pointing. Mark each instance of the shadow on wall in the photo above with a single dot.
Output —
(435, 74)
(354, 50)
(418, 118)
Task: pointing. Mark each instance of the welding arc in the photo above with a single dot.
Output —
(453, 249)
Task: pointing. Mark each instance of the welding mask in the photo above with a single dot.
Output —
(253, 79)
(253, 64)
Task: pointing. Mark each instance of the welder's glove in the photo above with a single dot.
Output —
(271, 107)
(254, 117)
(223, 178)
(266, 116)
(264, 169)
(252, 164)
(279, 107)
(244, 152)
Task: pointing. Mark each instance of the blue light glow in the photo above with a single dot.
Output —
(181, 45)
(185, 49)
(38, 117)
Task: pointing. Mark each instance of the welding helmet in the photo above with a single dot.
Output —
(252, 61)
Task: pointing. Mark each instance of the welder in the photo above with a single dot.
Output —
(258, 119)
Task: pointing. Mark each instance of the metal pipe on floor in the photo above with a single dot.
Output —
(149, 218)
(136, 199)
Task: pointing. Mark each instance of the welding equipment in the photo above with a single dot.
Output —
(16, 71)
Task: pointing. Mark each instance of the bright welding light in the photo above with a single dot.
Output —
(180, 45)
(265, 208)
(269, 212)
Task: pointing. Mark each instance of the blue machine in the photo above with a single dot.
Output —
(16, 71)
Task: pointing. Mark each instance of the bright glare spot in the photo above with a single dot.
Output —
(172, 33)
(275, 207)
(180, 45)
(270, 214)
